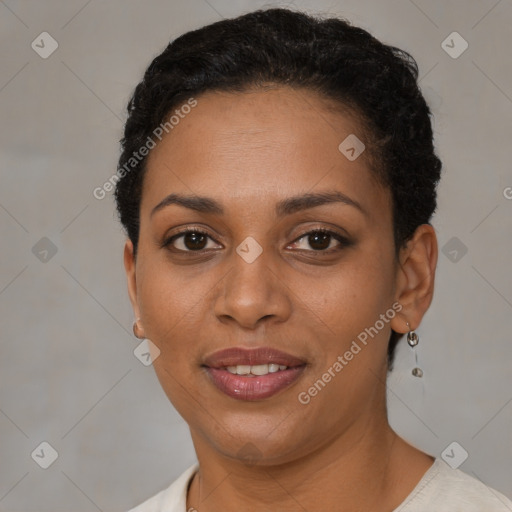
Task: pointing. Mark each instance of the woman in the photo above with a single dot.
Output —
(276, 185)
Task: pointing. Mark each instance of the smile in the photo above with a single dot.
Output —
(257, 369)
(253, 374)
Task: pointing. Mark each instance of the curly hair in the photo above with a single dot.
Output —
(341, 62)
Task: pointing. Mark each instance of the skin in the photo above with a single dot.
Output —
(248, 151)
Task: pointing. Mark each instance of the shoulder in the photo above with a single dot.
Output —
(451, 490)
(171, 499)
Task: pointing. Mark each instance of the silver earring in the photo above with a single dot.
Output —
(413, 339)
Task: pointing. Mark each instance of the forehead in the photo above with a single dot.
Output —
(258, 146)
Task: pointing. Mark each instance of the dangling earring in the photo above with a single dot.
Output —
(135, 328)
(413, 340)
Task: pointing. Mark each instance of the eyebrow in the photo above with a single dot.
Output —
(284, 207)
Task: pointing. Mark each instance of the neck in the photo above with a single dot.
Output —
(362, 469)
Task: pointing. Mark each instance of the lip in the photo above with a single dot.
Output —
(252, 388)
(262, 355)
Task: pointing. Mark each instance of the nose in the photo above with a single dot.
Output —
(253, 293)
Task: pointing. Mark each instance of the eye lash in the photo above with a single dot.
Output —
(184, 231)
(344, 241)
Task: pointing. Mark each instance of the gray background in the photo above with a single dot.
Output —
(67, 368)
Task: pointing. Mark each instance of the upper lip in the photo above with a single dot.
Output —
(244, 356)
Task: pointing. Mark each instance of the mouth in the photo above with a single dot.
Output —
(253, 374)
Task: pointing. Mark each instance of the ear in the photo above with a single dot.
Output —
(415, 278)
(129, 266)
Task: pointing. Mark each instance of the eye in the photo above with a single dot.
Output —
(320, 240)
(189, 240)
(196, 240)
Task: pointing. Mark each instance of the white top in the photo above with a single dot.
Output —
(442, 489)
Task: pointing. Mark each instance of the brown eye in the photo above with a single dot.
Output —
(320, 240)
(194, 241)
(191, 240)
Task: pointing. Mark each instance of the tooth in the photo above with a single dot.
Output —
(273, 368)
(259, 369)
(243, 369)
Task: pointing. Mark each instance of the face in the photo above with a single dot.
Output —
(250, 268)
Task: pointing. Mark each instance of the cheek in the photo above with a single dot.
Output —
(168, 304)
(352, 353)
(170, 309)
(175, 311)
(354, 298)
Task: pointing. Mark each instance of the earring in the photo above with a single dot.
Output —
(413, 339)
(135, 328)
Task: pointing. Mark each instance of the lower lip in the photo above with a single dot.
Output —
(253, 388)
